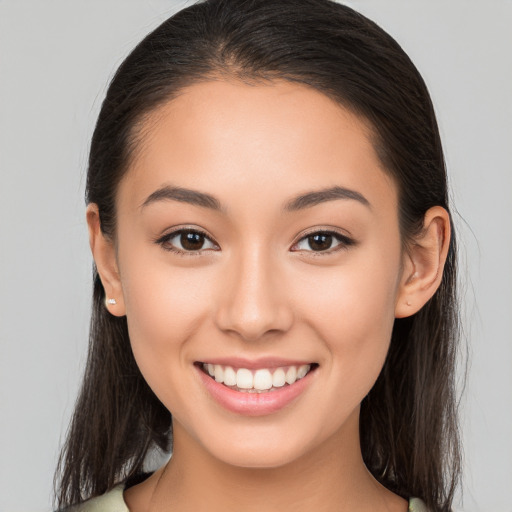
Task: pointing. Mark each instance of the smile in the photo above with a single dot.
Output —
(256, 380)
(256, 391)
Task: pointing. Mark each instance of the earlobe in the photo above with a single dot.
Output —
(104, 254)
(424, 263)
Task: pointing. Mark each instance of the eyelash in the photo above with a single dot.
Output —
(163, 241)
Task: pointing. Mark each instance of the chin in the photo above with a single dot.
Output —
(257, 452)
(247, 459)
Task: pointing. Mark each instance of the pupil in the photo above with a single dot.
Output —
(192, 241)
(320, 242)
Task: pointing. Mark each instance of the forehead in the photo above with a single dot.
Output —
(266, 140)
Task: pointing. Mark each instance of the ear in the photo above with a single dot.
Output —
(104, 254)
(424, 263)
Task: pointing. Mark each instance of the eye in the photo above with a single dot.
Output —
(186, 242)
(324, 242)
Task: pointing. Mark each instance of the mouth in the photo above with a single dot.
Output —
(256, 380)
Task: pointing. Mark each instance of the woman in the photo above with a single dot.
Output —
(274, 294)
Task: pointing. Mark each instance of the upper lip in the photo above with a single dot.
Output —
(262, 362)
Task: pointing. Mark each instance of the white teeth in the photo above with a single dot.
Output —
(291, 375)
(262, 379)
(244, 378)
(229, 376)
(301, 372)
(278, 379)
(219, 373)
(254, 381)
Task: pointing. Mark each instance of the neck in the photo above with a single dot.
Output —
(333, 477)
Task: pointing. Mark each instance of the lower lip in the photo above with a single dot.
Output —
(255, 404)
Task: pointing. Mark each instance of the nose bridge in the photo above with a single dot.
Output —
(253, 300)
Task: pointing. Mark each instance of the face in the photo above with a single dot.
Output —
(237, 272)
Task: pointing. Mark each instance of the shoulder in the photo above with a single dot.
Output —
(417, 505)
(112, 501)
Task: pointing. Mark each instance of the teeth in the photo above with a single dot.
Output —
(262, 379)
(244, 378)
(219, 373)
(291, 375)
(229, 376)
(254, 381)
(279, 378)
(301, 372)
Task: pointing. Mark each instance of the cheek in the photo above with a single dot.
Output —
(357, 318)
(164, 308)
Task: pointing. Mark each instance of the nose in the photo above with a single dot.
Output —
(252, 299)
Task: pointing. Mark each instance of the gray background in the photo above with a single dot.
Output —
(55, 60)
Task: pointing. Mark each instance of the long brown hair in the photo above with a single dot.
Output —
(408, 422)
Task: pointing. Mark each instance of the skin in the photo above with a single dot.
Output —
(259, 289)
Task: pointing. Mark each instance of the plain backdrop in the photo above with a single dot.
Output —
(56, 57)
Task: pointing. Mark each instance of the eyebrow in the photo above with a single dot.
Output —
(321, 196)
(300, 202)
(184, 195)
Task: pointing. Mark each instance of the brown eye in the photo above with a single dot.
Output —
(186, 241)
(191, 240)
(322, 241)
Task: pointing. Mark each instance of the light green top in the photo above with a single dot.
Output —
(113, 501)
